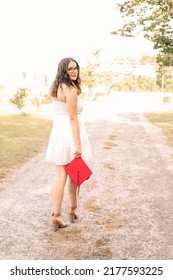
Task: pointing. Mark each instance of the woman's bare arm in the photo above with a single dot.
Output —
(71, 99)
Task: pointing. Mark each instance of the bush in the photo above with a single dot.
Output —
(47, 99)
(37, 102)
(166, 99)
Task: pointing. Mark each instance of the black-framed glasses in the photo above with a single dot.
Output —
(71, 69)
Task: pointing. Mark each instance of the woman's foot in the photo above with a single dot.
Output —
(72, 214)
(57, 222)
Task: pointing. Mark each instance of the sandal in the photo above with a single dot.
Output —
(72, 215)
(57, 223)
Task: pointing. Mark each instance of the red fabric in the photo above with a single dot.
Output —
(78, 171)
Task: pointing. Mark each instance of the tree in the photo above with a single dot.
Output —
(88, 73)
(155, 19)
(19, 99)
(148, 59)
(144, 83)
(88, 77)
(108, 79)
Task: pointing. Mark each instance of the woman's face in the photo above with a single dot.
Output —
(72, 70)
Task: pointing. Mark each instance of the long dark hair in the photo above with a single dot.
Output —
(62, 76)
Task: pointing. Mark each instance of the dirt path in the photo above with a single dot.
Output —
(125, 209)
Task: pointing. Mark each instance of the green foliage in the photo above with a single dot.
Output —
(164, 59)
(19, 99)
(88, 73)
(144, 83)
(136, 84)
(165, 79)
(88, 76)
(154, 18)
(47, 99)
(148, 59)
(109, 79)
(168, 83)
(166, 99)
(37, 102)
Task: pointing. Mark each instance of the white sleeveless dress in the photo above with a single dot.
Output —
(61, 144)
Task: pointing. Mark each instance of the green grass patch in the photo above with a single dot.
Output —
(21, 137)
(164, 120)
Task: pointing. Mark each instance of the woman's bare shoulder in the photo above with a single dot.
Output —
(66, 89)
(63, 86)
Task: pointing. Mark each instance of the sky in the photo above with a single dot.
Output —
(36, 34)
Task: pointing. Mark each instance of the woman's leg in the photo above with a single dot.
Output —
(72, 193)
(58, 190)
(73, 203)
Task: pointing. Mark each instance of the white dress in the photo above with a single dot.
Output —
(61, 144)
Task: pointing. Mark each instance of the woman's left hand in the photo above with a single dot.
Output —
(78, 151)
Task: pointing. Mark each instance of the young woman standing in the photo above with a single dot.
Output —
(68, 138)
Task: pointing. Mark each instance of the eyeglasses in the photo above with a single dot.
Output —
(71, 69)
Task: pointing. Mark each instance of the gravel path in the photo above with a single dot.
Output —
(125, 209)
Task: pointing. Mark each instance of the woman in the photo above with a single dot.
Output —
(68, 138)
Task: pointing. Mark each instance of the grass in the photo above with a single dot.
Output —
(21, 137)
(164, 120)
